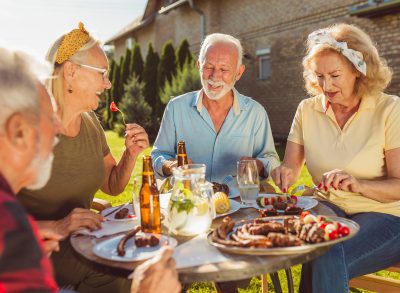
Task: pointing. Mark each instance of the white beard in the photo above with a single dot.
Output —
(216, 95)
(42, 168)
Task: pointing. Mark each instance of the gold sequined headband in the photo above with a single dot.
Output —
(71, 43)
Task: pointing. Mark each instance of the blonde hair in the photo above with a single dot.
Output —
(378, 74)
(56, 84)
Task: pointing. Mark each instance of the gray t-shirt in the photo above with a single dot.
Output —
(78, 172)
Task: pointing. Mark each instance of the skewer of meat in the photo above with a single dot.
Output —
(122, 242)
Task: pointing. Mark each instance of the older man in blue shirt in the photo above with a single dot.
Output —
(219, 125)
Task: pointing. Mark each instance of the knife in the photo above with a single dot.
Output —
(116, 209)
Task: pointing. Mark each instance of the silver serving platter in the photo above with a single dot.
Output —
(353, 226)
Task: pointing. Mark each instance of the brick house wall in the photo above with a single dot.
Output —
(282, 26)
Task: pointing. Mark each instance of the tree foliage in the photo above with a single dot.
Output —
(137, 64)
(167, 66)
(126, 67)
(183, 54)
(186, 80)
(150, 73)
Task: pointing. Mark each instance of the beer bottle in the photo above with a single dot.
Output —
(182, 156)
(149, 200)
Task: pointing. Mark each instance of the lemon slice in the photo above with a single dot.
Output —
(202, 208)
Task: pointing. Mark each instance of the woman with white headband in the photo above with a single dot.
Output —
(348, 132)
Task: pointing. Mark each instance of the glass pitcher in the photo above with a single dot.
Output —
(190, 209)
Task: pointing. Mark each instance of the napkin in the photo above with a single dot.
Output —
(110, 228)
(196, 252)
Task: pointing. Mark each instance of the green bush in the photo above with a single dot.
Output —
(136, 109)
(150, 73)
(183, 54)
(186, 80)
(137, 64)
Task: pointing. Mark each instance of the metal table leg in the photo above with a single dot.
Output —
(275, 280)
(289, 278)
(277, 284)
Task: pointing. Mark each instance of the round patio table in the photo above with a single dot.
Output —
(237, 267)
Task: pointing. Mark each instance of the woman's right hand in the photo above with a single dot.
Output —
(77, 219)
(283, 177)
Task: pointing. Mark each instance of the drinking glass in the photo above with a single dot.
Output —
(248, 181)
(137, 185)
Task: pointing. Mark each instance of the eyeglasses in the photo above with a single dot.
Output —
(104, 72)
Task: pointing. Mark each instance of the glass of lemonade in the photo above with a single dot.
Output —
(248, 181)
(190, 209)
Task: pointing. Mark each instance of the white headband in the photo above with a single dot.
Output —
(322, 36)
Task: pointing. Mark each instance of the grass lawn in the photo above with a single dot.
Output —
(117, 147)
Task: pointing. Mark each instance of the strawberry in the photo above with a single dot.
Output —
(293, 199)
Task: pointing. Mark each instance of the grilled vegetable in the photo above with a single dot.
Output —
(221, 203)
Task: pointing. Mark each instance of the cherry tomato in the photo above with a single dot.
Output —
(333, 235)
(344, 231)
(293, 198)
(323, 225)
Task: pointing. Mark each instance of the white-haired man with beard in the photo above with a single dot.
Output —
(219, 125)
(28, 126)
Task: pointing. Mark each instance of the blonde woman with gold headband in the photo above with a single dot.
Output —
(348, 132)
(83, 162)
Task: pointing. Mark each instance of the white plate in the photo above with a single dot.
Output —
(108, 249)
(235, 206)
(112, 216)
(303, 202)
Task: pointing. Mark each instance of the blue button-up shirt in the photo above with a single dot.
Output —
(245, 132)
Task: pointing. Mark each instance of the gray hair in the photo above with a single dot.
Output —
(19, 75)
(221, 38)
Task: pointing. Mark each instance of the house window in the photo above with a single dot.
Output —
(264, 63)
(129, 43)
